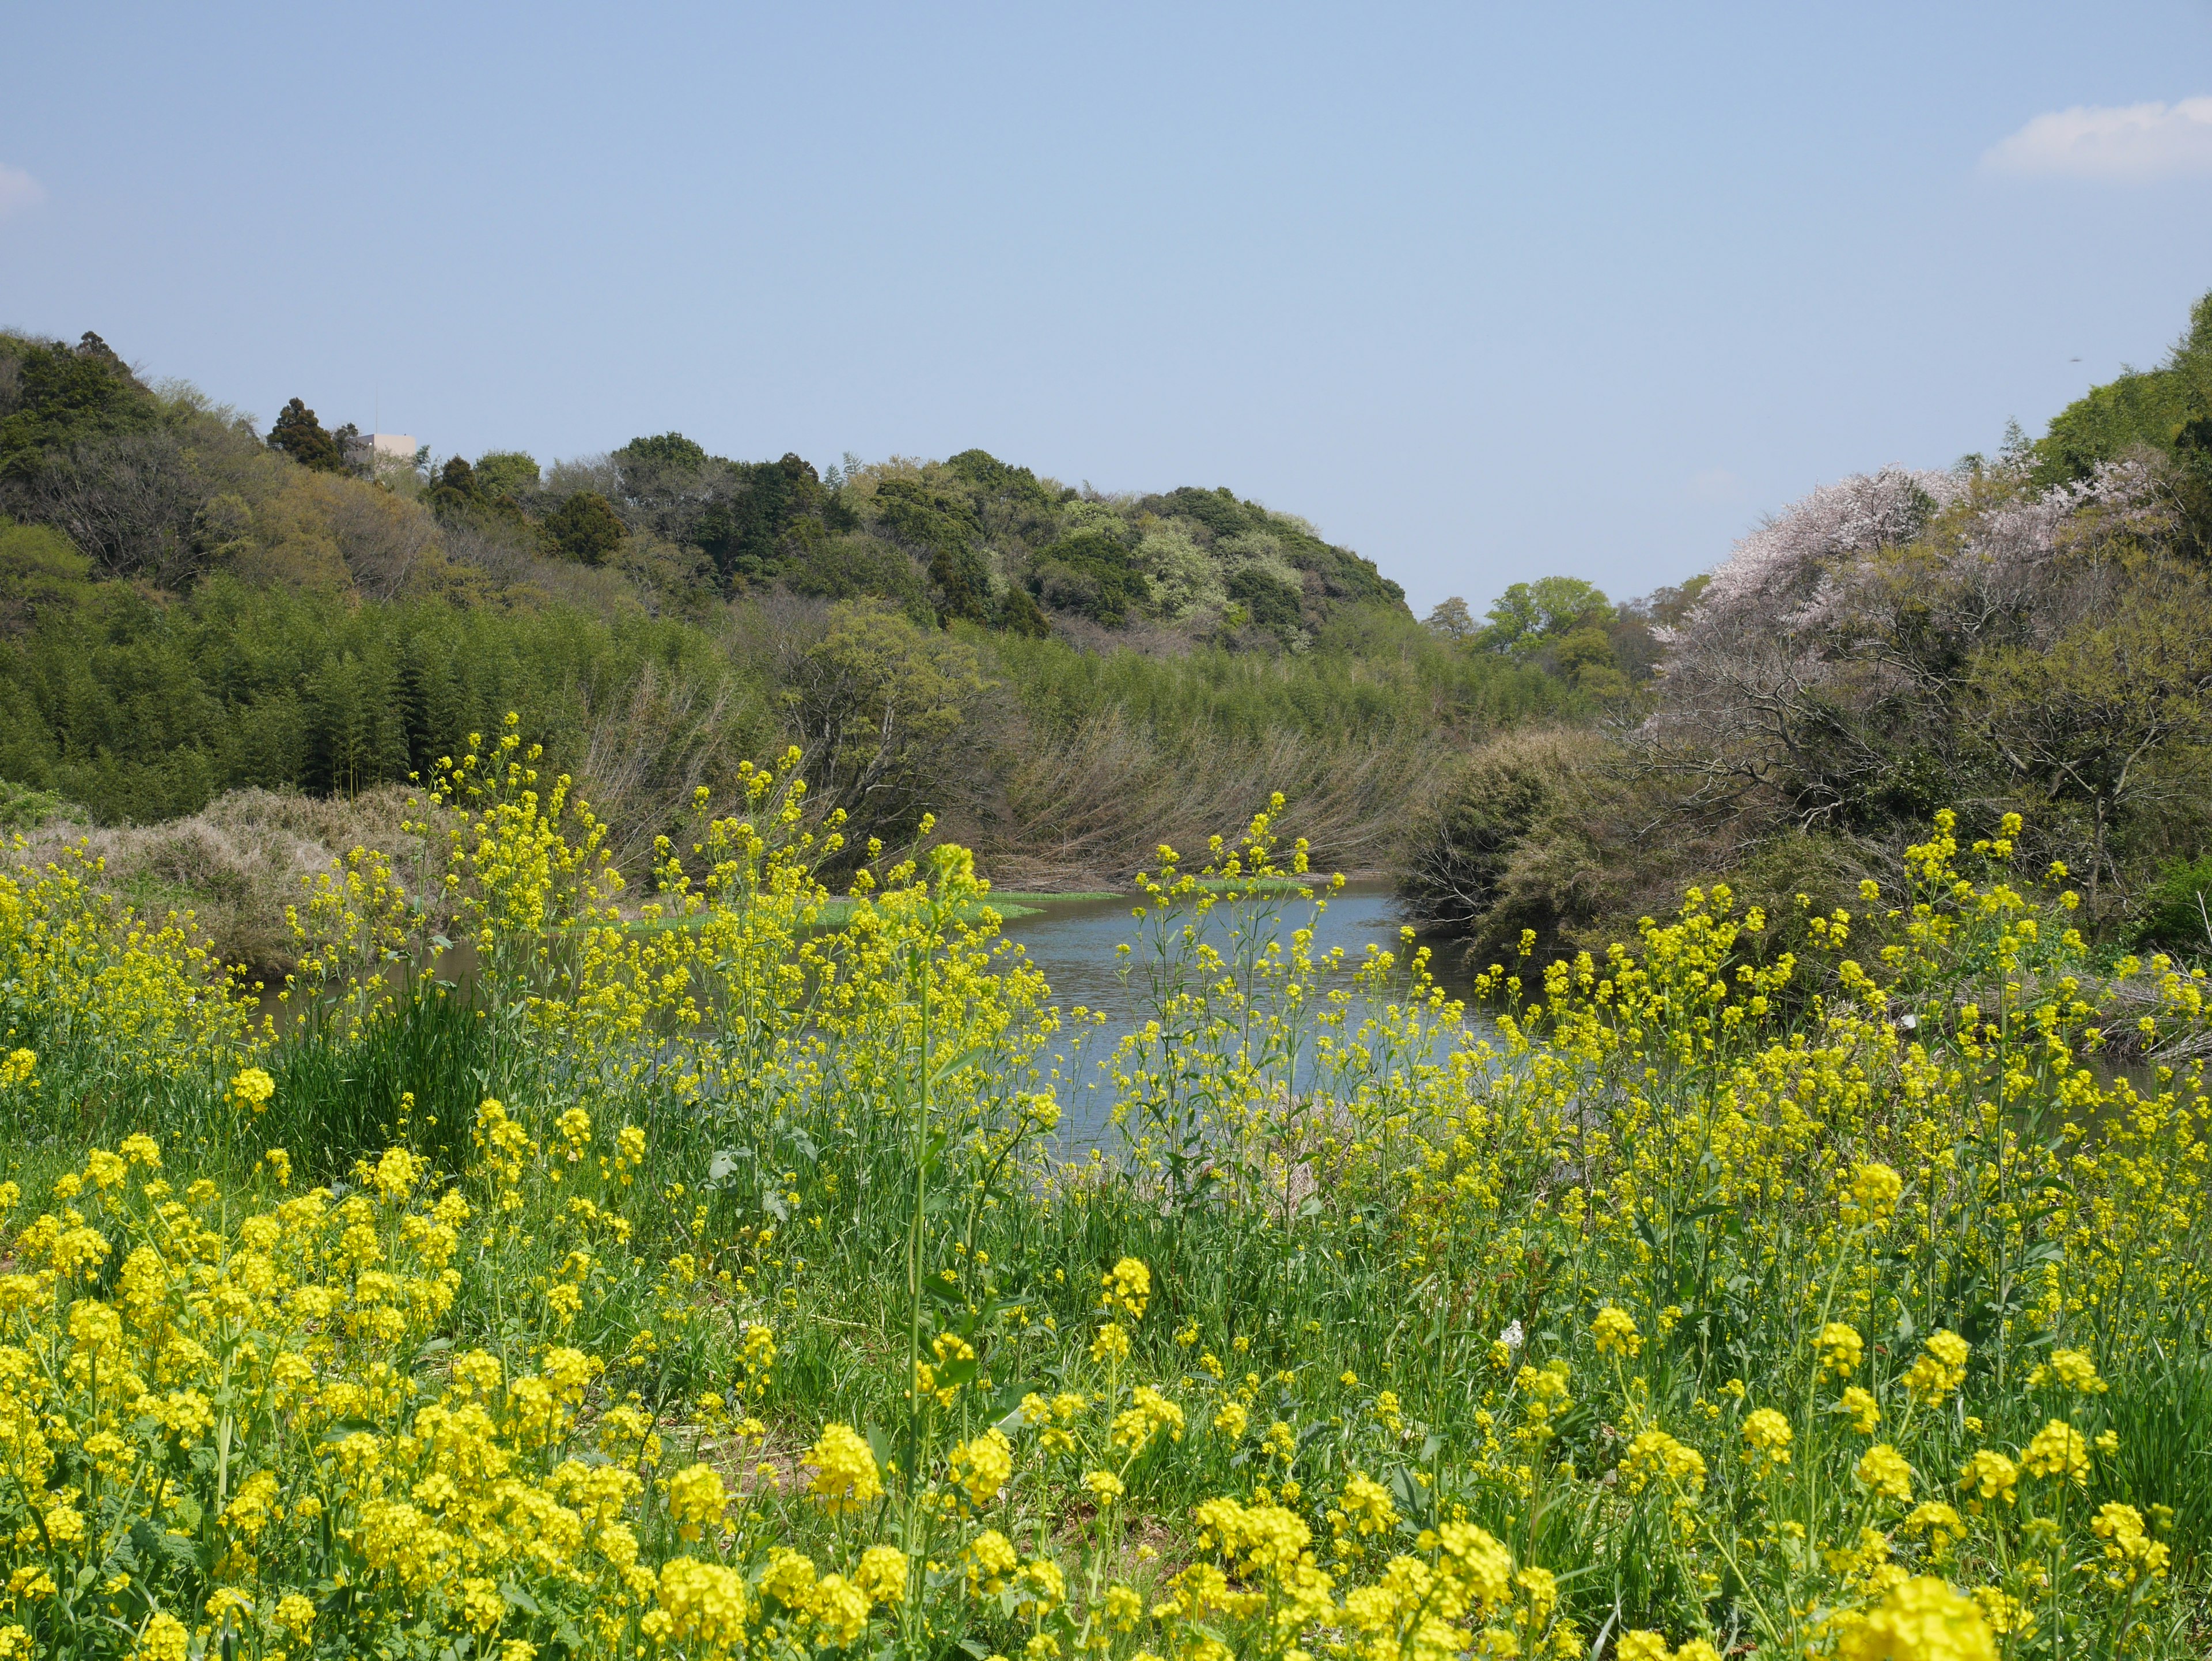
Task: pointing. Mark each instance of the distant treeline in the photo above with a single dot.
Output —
(191, 606)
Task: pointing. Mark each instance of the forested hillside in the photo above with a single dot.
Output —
(195, 614)
(191, 607)
(2029, 634)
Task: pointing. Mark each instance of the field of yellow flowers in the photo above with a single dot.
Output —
(691, 1279)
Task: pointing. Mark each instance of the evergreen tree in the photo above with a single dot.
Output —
(584, 528)
(301, 436)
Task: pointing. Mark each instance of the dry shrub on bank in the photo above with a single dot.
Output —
(236, 864)
(1093, 806)
(1572, 835)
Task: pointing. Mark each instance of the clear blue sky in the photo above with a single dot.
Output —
(1485, 292)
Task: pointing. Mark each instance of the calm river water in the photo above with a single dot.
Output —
(1073, 941)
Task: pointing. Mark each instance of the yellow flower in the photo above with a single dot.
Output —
(1989, 1474)
(1105, 1486)
(2056, 1449)
(1874, 1193)
(1367, 1504)
(845, 1475)
(696, 1500)
(1123, 1608)
(2071, 1368)
(296, 1614)
(990, 1560)
(703, 1605)
(164, 1638)
(1939, 1522)
(252, 1089)
(1767, 1434)
(1840, 1349)
(881, 1574)
(1865, 1411)
(1884, 1471)
(1128, 1286)
(2131, 1554)
(1940, 1369)
(1922, 1619)
(979, 1467)
(1654, 1454)
(1615, 1332)
(2006, 1614)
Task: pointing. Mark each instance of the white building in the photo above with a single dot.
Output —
(381, 453)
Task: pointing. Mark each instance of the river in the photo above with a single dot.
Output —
(1073, 943)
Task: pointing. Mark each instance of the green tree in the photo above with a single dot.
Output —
(1529, 616)
(2138, 407)
(666, 450)
(2083, 720)
(1014, 612)
(64, 396)
(941, 527)
(40, 572)
(584, 528)
(1270, 602)
(1089, 571)
(507, 473)
(301, 436)
(1452, 621)
(880, 705)
(456, 490)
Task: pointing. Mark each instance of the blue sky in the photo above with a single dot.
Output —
(1485, 292)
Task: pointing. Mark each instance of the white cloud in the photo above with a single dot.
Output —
(18, 190)
(1716, 484)
(2126, 142)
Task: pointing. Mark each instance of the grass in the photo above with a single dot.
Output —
(699, 1239)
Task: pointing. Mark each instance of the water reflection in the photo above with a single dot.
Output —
(1073, 943)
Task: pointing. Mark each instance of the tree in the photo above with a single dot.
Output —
(2137, 409)
(2083, 719)
(129, 501)
(456, 490)
(1014, 612)
(301, 436)
(54, 398)
(1089, 572)
(941, 527)
(1530, 614)
(745, 532)
(880, 706)
(1270, 602)
(667, 450)
(507, 473)
(584, 528)
(1451, 621)
(39, 572)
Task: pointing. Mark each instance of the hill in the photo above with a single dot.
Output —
(194, 609)
(2025, 639)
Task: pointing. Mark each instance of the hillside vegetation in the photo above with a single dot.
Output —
(190, 608)
(2025, 634)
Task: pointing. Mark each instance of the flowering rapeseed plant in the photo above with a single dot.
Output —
(740, 1305)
